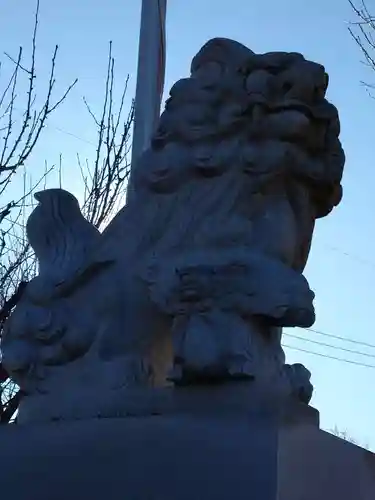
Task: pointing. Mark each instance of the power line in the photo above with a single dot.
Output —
(49, 124)
(329, 345)
(328, 357)
(359, 259)
(66, 132)
(339, 337)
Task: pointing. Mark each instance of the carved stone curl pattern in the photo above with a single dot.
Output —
(250, 111)
(199, 272)
(218, 310)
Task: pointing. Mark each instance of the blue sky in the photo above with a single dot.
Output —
(341, 268)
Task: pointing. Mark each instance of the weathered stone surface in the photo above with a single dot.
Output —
(143, 458)
(313, 464)
(207, 454)
(194, 279)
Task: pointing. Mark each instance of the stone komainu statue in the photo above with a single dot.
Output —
(195, 277)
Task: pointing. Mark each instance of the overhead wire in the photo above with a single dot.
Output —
(340, 337)
(343, 360)
(324, 344)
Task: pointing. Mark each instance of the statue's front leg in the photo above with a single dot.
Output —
(211, 345)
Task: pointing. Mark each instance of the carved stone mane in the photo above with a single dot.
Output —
(201, 270)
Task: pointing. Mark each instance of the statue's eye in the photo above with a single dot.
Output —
(209, 74)
(258, 82)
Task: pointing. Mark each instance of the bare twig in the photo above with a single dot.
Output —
(104, 180)
(10, 408)
(11, 302)
(12, 157)
(362, 31)
(18, 139)
(17, 63)
(109, 173)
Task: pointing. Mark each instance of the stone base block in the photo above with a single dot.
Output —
(183, 457)
(315, 465)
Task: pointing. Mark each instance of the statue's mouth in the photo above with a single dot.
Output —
(298, 107)
(323, 111)
(293, 121)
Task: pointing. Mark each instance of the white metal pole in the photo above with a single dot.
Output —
(150, 77)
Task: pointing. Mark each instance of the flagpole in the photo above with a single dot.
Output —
(150, 78)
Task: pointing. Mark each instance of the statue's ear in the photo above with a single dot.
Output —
(55, 193)
(223, 54)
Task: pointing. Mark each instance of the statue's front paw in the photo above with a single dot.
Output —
(240, 367)
(299, 379)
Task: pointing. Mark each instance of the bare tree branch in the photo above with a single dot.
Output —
(104, 179)
(363, 33)
(13, 156)
(10, 408)
(110, 170)
(18, 139)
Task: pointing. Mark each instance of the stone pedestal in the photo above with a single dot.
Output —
(194, 451)
(315, 465)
